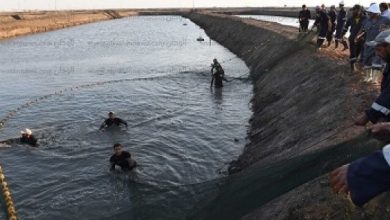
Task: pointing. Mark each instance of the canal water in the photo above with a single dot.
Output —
(153, 73)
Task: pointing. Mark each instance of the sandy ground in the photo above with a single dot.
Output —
(303, 100)
(17, 24)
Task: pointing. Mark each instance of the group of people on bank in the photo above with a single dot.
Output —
(369, 47)
(369, 44)
(362, 24)
(367, 177)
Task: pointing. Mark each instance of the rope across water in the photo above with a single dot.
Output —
(12, 215)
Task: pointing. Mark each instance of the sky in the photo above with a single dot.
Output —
(20, 5)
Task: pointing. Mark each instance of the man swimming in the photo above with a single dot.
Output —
(26, 138)
(112, 120)
(122, 159)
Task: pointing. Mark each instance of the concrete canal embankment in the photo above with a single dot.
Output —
(303, 101)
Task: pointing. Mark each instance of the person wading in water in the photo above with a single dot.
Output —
(218, 74)
(112, 119)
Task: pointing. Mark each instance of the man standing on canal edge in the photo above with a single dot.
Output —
(304, 17)
(332, 18)
(122, 159)
(323, 25)
(354, 25)
(341, 18)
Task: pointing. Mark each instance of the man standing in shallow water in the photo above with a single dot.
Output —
(122, 159)
(112, 120)
(218, 76)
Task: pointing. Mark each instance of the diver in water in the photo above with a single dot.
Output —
(219, 75)
(112, 120)
(122, 159)
(26, 138)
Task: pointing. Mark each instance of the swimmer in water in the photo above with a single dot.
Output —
(112, 120)
(26, 138)
(122, 159)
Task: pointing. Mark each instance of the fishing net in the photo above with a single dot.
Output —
(253, 188)
(234, 196)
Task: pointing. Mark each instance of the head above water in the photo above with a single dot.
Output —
(215, 60)
(27, 132)
(111, 115)
(118, 149)
(303, 6)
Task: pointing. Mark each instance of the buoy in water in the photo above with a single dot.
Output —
(200, 39)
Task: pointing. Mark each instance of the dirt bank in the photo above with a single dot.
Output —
(17, 24)
(302, 101)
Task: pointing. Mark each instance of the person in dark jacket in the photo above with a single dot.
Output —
(366, 177)
(354, 25)
(341, 18)
(370, 29)
(380, 109)
(26, 138)
(111, 121)
(332, 18)
(322, 23)
(217, 74)
(122, 159)
(304, 17)
(369, 176)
